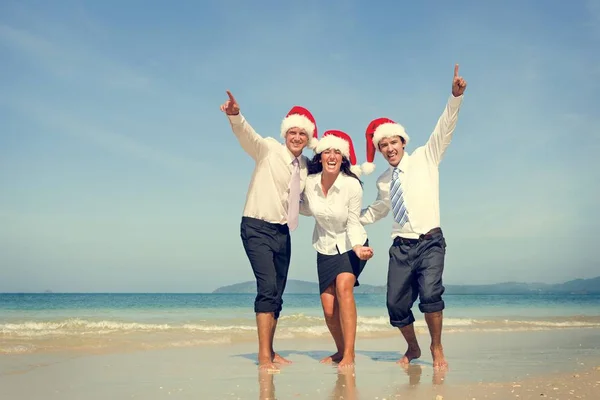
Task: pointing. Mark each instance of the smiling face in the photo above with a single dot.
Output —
(296, 140)
(331, 160)
(392, 149)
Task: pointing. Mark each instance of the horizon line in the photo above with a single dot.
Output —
(50, 291)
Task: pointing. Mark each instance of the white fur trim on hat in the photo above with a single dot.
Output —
(312, 143)
(389, 129)
(333, 142)
(356, 169)
(368, 168)
(297, 121)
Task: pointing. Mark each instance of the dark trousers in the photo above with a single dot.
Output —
(415, 269)
(268, 247)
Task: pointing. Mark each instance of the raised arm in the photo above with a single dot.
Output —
(377, 210)
(442, 133)
(252, 143)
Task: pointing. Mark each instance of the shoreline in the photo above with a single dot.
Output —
(104, 335)
(146, 341)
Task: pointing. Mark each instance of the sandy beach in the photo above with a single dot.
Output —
(553, 364)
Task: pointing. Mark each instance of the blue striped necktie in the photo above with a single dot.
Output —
(397, 199)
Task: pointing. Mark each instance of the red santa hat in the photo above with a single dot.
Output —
(300, 117)
(341, 141)
(378, 129)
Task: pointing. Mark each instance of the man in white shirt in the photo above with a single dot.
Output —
(271, 212)
(410, 189)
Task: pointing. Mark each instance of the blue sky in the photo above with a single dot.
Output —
(118, 172)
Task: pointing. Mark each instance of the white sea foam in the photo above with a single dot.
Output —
(80, 334)
(17, 349)
(289, 326)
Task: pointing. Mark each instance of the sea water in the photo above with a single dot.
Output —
(31, 323)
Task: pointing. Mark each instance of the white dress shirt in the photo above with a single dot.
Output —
(419, 177)
(336, 215)
(267, 197)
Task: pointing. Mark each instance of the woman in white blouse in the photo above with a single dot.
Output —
(333, 196)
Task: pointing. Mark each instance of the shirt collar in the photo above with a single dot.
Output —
(337, 184)
(403, 164)
(290, 156)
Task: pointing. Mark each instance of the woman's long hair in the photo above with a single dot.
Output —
(314, 166)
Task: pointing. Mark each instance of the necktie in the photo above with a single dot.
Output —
(396, 196)
(294, 197)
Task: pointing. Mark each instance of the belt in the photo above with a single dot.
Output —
(426, 236)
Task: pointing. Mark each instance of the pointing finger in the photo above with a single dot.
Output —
(231, 97)
(455, 70)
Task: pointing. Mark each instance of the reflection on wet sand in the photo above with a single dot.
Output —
(344, 388)
(345, 385)
(415, 373)
(266, 385)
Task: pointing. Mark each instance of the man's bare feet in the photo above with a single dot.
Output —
(337, 357)
(279, 359)
(411, 354)
(346, 362)
(439, 361)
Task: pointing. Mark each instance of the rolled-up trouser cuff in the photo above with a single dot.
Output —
(432, 307)
(265, 307)
(404, 322)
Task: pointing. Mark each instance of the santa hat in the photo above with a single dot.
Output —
(339, 140)
(300, 117)
(378, 129)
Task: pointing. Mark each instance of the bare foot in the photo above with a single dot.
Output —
(337, 357)
(265, 363)
(267, 366)
(439, 361)
(346, 362)
(411, 354)
(280, 360)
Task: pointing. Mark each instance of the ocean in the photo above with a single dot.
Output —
(40, 323)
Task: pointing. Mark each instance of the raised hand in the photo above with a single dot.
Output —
(458, 83)
(230, 107)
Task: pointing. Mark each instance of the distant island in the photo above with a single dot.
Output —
(577, 286)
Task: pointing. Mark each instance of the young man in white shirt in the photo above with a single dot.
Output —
(271, 212)
(410, 189)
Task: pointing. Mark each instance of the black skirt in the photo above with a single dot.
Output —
(330, 266)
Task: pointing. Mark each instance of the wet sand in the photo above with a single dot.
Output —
(558, 364)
